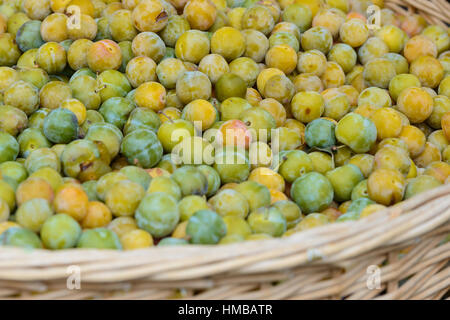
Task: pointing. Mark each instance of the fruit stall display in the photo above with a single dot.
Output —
(224, 149)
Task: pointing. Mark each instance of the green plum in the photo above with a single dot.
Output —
(205, 227)
(9, 147)
(313, 192)
(267, 220)
(257, 195)
(60, 231)
(320, 133)
(344, 179)
(158, 214)
(99, 238)
(142, 148)
(20, 237)
(357, 132)
(61, 126)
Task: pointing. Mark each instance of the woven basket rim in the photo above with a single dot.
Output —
(421, 222)
(332, 244)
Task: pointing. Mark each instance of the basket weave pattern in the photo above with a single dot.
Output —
(405, 246)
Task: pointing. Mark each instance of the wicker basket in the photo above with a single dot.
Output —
(433, 11)
(398, 253)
